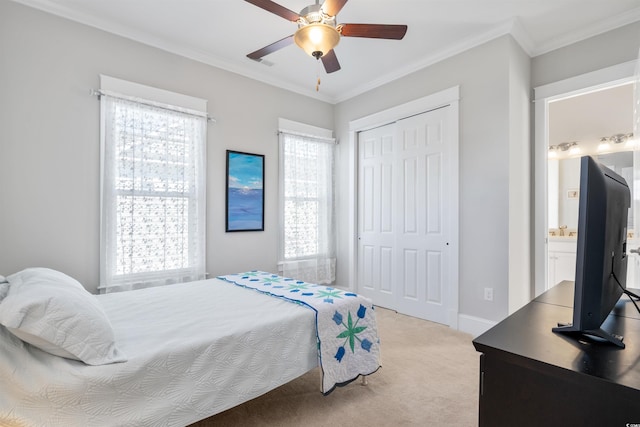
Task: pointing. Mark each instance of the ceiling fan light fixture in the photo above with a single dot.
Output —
(317, 39)
(318, 33)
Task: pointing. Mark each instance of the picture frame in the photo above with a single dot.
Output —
(573, 193)
(244, 192)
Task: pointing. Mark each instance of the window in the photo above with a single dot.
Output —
(153, 196)
(307, 208)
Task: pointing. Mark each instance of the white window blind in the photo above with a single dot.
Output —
(153, 198)
(307, 239)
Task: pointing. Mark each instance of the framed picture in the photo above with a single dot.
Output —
(573, 193)
(245, 191)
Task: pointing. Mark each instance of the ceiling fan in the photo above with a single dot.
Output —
(318, 32)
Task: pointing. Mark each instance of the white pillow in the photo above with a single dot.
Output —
(53, 312)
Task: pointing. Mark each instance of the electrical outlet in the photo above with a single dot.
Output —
(488, 294)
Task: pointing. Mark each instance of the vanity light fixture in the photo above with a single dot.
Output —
(574, 150)
(608, 144)
(604, 145)
(564, 146)
(571, 147)
(618, 138)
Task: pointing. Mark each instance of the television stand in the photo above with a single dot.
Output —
(530, 376)
(597, 335)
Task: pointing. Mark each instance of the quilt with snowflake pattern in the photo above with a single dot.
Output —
(346, 330)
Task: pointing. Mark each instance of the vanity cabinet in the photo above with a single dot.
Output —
(561, 260)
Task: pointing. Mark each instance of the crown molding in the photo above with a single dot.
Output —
(584, 33)
(181, 50)
(469, 43)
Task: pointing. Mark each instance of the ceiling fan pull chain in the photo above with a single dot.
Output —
(318, 75)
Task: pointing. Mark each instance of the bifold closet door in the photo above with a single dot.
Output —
(403, 218)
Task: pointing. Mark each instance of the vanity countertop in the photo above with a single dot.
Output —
(563, 238)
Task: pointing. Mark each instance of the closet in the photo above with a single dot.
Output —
(406, 227)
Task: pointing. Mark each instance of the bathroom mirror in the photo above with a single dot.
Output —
(564, 188)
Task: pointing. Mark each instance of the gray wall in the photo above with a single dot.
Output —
(49, 141)
(611, 48)
(483, 74)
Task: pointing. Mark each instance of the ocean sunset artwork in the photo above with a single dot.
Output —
(245, 191)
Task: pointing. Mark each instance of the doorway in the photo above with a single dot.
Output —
(556, 179)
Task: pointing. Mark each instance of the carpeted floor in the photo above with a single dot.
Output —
(429, 377)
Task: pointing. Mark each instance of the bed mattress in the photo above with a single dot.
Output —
(193, 350)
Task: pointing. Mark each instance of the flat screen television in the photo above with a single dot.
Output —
(601, 263)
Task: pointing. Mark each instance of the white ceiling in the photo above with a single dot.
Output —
(222, 32)
(587, 118)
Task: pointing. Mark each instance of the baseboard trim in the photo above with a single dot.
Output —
(474, 325)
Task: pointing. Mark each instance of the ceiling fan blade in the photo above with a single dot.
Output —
(330, 62)
(332, 7)
(374, 31)
(271, 48)
(275, 8)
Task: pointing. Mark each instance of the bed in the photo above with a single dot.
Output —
(177, 354)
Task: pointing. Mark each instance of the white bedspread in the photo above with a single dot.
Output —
(193, 350)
